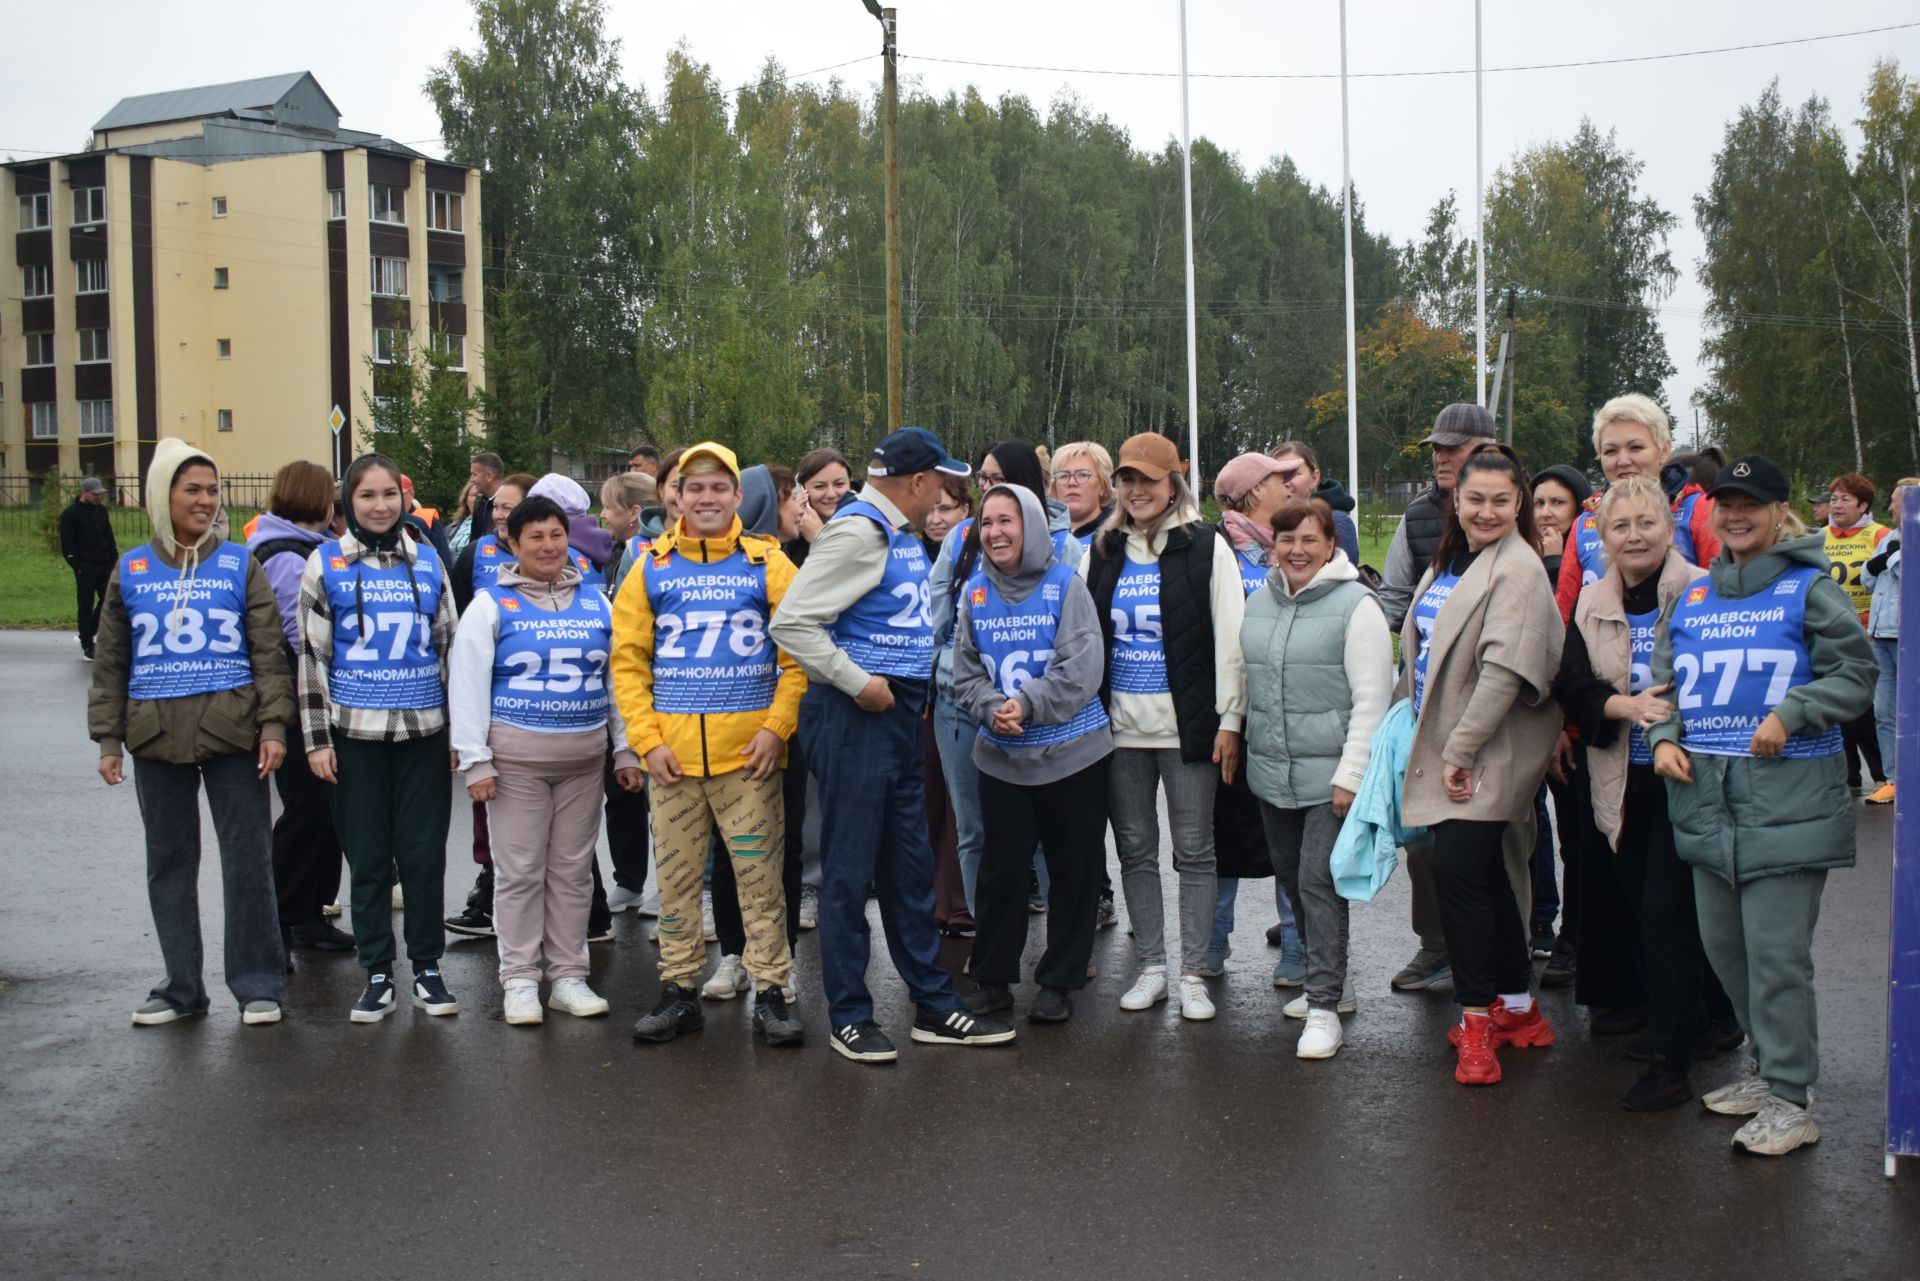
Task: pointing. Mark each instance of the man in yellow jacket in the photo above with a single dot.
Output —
(709, 704)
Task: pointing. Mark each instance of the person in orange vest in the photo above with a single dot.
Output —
(431, 515)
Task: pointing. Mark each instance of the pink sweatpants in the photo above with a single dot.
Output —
(545, 823)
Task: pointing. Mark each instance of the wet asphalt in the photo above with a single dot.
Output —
(1118, 1145)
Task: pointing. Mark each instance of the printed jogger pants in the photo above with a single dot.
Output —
(751, 819)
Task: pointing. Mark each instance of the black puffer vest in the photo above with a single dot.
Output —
(1186, 619)
(1426, 522)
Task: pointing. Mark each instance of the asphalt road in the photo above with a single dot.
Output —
(1119, 1145)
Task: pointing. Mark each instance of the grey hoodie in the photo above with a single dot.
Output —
(1073, 675)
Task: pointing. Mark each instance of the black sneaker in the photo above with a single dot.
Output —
(1108, 915)
(319, 936)
(473, 922)
(481, 895)
(1051, 1006)
(1561, 965)
(864, 1043)
(86, 652)
(775, 1023)
(376, 1002)
(988, 997)
(602, 935)
(1276, 935)
(1660, 1087)
(1541, 942)
(677, 1012)
(957, 1027)
(430, 992)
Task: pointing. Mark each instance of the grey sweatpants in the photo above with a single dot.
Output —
(1301, 845)
(1759, 940)
(169, 798)
(1134, 783)
(1516, 851)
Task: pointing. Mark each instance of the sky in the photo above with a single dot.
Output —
(1412, 137)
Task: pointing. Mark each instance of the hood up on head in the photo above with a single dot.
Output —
(759, 502)
(169, 456)
(1036, 545)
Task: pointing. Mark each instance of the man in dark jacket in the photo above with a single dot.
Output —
(1458, 430)
(87, 542)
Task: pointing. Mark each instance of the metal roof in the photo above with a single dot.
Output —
(207, 100)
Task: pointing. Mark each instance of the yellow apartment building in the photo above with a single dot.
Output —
(219, 265)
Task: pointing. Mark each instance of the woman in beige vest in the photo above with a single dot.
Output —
(1604, 685)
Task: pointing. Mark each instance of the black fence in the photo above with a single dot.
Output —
(22, 497)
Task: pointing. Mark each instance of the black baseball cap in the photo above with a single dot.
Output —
(1754, 476)
(912, 450)
(1460, 423)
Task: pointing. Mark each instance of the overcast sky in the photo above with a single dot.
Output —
(1412, 137)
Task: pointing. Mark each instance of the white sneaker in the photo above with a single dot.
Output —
(706, 917)
(330, 911)
(1148, 990)
(573, 996)
(728, 981)
(1742, 1099)
(399, 899)
(1777, 1129)
(621, 899)
(650, 902)
(1347, 1004)
(1322, 1038)
(1195, 1004)
(523, 1002)
(809, 908)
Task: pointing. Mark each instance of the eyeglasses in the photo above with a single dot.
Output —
(1076, 477)
(987, 480)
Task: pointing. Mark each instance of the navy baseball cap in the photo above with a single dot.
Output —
(912, 450)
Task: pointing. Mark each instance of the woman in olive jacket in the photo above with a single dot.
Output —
(191, 677)
(1767, 660)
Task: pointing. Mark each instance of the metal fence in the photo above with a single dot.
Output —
(22, 512)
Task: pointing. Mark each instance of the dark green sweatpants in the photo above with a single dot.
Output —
(390, 809)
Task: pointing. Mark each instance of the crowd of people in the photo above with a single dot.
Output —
(937, 686)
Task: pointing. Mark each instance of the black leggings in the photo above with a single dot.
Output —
(1486, 933)
(1067, 818)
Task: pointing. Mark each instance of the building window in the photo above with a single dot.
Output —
(89, 205)
(36, 281)
(96, 419)
(445, 211)
(90, 276)
(36, 211)
(390, 277)
(453, 347)
(386, 204)
(389, 346)
(223, 420)
(446, 284)
(46, 421)
(219, 206)
(219, 277)
(94, 347)
(336, 203)
(39, 350)
(223, 348)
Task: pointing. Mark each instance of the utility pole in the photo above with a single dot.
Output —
(890, 117)
(1513, 359)
(1186, 191)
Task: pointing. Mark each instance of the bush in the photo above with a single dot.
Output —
(53, 501)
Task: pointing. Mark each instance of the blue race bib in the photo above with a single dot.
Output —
(1253, 569)
(383, 653)
(1137, 662)
(1016, 645)
(1425, 611)
(1589, 549)
(550, 666)
(710, 647)
(187, 638)
(889, 631)
(490, 556)
(1734, 660)
(1640, 632)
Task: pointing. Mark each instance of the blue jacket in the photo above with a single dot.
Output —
(1366, 851)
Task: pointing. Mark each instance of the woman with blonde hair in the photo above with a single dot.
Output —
(1082, 478)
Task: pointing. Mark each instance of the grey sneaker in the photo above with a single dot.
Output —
(809, 907)
(261, 1012)
(1427, 969)
(1745, 1098)
(158, 1010)
(775, 1021)
(1777, 1129)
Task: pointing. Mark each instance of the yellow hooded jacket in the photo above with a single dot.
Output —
(705, 744)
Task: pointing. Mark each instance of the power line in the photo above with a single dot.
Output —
(1448, 71)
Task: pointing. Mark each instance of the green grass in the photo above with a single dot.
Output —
(36, 587)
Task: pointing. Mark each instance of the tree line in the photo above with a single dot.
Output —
(702, 261)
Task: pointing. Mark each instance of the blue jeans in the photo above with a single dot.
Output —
(953, 733)
(873, 830)
(1886, 698)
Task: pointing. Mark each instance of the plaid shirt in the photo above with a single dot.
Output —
(320, 716)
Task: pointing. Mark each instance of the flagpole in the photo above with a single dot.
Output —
(1479, 223)
(1186, 167)
(1346, 200)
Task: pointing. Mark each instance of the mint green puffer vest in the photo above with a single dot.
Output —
(1298, 700)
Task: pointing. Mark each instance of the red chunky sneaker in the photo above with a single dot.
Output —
(1478, 1065)
(1526, 1031)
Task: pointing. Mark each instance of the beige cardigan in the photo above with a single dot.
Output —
(1602, 620)
(1489, 693)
